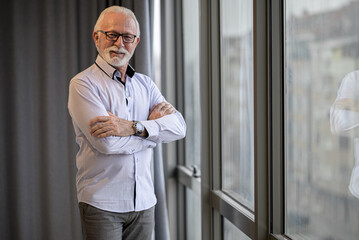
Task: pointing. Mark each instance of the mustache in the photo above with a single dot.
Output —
(117, 50)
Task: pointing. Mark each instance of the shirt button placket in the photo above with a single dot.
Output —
(136, 168)
(135, 183)
(128, 100)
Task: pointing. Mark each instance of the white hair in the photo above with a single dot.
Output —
(117, 9)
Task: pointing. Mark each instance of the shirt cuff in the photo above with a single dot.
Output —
(152, 128)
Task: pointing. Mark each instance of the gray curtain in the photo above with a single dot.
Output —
(43, 44)
(143, 63)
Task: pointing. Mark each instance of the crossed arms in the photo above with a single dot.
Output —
(105, 126)
(109, 132)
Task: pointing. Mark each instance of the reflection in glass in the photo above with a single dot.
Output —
(344, 120)
(192, 112)
(237, 100)
(321, 47)
(231, 232)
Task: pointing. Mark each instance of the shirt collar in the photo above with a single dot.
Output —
(109, 70)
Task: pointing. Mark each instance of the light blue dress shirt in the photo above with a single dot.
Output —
(114, 173)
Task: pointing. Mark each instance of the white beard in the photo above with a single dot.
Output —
(116, 61)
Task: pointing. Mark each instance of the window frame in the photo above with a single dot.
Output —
(173, 68)
(215, 203)
(172, 88)
(276, 118)
(267, 220)
(276, 69)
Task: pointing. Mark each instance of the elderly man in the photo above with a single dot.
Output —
(119, 115)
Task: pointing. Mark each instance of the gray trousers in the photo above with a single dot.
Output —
(98, 224)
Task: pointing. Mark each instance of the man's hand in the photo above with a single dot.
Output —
(160, 110)
(105, 126)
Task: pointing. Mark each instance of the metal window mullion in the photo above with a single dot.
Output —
(216, 145)
(172, 88)
(206, 131)
(186, 178)
(180, 104)
(260, 33)
(234, 212)
(276, 120)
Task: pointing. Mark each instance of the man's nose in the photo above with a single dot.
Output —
(119, 41)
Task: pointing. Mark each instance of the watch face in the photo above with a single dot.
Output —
(139, 126)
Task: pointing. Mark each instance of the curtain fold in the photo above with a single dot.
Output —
(44, 44)
(142, 61)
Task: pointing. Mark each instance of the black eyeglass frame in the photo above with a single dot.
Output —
(123, 35)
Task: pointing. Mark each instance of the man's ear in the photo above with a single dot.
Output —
(137, 41)
(95, 37)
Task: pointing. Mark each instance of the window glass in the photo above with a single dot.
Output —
(192, 113)
(237, 100)
(231, 232)
(321, 91)
(156, 43)
(191, 81)
(193, 218)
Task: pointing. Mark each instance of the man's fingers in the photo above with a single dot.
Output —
(101, 127)
(160, 110)
(110, 113)
(105, 126)
(157, 107)
(169, 110)
(98, 119)
(96, 127)
(96, 130)
(163, 106)
(105, 134)
(101, 131)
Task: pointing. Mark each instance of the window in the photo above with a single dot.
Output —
(192, 113)
(321, 171)
(237, 100)
(191, 64)
(230, 126)
(231, 232)
(278, 107)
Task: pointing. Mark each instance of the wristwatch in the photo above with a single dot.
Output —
(138, 127)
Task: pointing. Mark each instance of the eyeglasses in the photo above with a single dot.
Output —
(113, 36)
